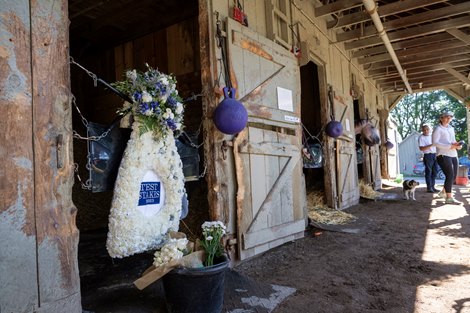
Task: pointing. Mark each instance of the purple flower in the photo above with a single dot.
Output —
(153, 105)
(137, 96)
(144, 108)
(161, 88)
(171, 124)
(171, 102)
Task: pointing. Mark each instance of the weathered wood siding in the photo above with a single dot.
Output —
(340, 72)
(18, 270)
(343, 74)
(39, 271)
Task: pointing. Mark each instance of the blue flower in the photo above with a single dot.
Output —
(160, 88)
(171, 124)
(171, 102)
(145, 109)
(153, 105)
(137, 96)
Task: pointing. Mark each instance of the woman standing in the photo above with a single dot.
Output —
(443, 138)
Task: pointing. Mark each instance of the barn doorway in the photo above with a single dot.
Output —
(105, 40)
(312, 132)
(359, 147)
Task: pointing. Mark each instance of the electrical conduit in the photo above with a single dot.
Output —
(371, 8)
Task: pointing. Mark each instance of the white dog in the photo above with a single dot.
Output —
(409, 188)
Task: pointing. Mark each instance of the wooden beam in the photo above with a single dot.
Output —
(58, 280)
(440, 85)
(430, 88)
(420, 82)
(423, 56)
(407, 21)
(384, 10)
(459, 34)
(419, 76)
(458, 75)
(336, 6)
(428, 82)
(405, 44)
(413, 51)
(411, 32)
(424, 71)
(431, 65)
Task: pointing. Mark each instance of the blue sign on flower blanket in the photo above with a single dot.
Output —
(149, 193)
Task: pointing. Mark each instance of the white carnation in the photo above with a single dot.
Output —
(146, 97)
(179, 108)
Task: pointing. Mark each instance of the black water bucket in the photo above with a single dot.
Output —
(196, 290)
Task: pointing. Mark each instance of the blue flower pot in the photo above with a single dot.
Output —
(196, 290)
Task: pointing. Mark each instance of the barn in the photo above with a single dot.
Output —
(295, 65)
(409, 153)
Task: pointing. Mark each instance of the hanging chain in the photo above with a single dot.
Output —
(87, 185)
(85, 123)
(91, 74)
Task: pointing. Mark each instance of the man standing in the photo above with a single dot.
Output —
(429, 158)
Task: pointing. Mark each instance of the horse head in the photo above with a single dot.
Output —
(369, 133)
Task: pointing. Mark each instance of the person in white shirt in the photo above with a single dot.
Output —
(429, 158)
(443, 138)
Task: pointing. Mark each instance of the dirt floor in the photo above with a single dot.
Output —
(399, 256)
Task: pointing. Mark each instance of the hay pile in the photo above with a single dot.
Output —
(319, 212)
(367, 192)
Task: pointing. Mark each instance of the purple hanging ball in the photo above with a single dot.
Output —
(388, 145)
(230, 116)
(334, 129)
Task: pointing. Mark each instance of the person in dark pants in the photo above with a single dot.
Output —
(443, 138)
(429, 158)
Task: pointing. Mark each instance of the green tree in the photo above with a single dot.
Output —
(424, 108)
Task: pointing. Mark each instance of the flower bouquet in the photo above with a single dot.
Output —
(178, 252)
(157, 106)
(149, 189)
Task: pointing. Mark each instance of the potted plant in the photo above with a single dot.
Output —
(193, 274)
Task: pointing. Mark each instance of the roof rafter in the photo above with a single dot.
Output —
(411, 32)
(336, 6)
(384, 10)
(407, 21)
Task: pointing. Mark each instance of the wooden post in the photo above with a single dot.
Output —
(217, 168)
(383, 115)
(39, 239)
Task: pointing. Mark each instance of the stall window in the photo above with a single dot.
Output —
(278, 22)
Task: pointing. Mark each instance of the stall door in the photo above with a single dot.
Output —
(271, 192)
(347, 189)
(374, 167)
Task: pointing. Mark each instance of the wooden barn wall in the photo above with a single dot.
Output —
(222, 176)
(172, 50)
(38, 237)
(342, 73)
